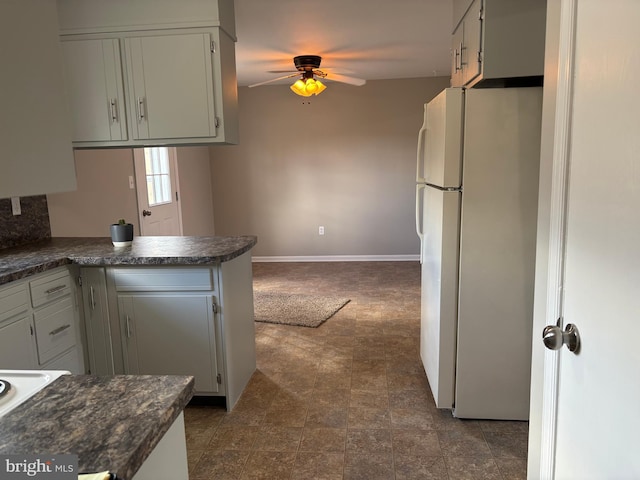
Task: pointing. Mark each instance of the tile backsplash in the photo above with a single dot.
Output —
(32, 225)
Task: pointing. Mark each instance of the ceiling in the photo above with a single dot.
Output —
(370, 39)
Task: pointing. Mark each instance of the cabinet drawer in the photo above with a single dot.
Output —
(13, 301)
(50, 287)
(68, 361)
(55, 330)
(170, 279)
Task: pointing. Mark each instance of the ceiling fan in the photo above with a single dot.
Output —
(309, 83)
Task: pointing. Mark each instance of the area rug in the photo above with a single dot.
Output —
(295, 309)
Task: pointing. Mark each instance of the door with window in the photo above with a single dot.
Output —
(157, 190)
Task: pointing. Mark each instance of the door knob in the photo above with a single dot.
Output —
(553, 337)
(146, 213)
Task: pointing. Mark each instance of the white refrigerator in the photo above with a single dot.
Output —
(476, 209)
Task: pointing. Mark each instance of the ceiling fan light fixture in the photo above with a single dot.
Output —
(299, 88)
(308, 82)
(310, 86)
(305, 87)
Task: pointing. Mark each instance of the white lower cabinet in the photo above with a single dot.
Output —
(54, 329)
(39, 324)
(171, 334)
(56, 321)
(174, 320)
(16, 346)
(169, 458)
(96, 321)
(68, 361)
(168, 322)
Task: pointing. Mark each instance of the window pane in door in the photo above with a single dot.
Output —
(156, 165)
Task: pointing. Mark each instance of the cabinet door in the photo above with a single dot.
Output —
(171, 334)
(94, 81)
(471, 51)
(96, 318)
(456, 56)
(16, 345)
(171, 85)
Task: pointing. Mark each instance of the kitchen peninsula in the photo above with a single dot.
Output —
(20, 262)
(123, 424)
(162, 306)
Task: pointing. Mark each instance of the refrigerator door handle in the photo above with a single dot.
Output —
(419, 206)
(420, 157)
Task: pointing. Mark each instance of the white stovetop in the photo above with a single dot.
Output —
(24, 384)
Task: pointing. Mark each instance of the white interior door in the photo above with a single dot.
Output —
(157, 191)
(597, 417)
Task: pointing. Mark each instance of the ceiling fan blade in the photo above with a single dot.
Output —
(275, 79)
(336, 77)
(336, 70)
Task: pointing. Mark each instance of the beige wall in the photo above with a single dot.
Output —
(196, 201)
(344, 160)
(103, 195)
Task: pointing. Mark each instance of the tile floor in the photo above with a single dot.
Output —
(347, 400)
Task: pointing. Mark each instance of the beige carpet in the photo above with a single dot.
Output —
(295, 309)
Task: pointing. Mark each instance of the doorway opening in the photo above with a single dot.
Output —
(157, 191)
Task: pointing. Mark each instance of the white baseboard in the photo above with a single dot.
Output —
(339, 258)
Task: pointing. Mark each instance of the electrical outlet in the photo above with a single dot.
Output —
(16, 209)
(320, 230)
(131, 184)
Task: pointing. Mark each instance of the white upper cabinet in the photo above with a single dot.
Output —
(147, 73)
(456, 58)
(94, 81)
(171, 85)
(471, 50)
(498, 43)
(35, 127)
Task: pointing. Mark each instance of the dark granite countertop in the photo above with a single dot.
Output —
(111, 423)
(20, 262)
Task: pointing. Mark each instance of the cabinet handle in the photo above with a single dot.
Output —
(128, 326)
(141, 109)
(55, 289)
(460, 56)
(93, 298)
(59, 329)
(113, 110)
